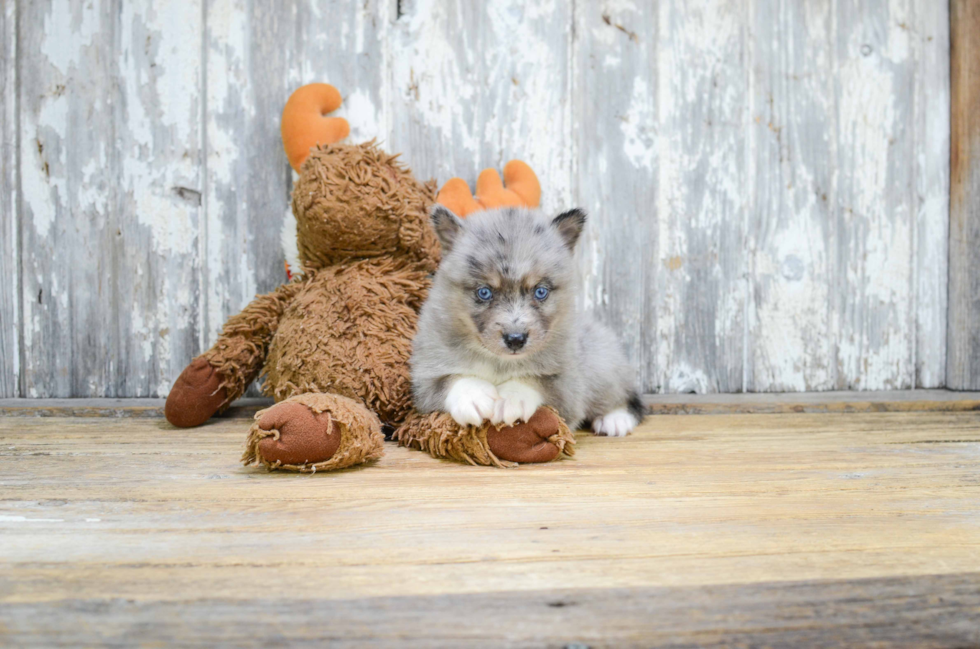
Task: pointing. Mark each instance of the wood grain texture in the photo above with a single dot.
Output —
(110, 166)
(766, 180)
(155, 227)
(9, 214)
(110, 522)
(615, 74)
(247, 179)
(67, 138)
(848, 283)
(701, 208)
(873, 219)
(791, 343)
(929, 39)
(963, 351)
(914, 612)
(474, 85)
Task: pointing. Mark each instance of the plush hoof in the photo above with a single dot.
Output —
(528, 442)
(314, 432)
(544, 438)
(305, 437)
(197, 394)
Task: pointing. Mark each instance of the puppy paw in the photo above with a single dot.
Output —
(470, 401)
(617, 423)
(516, 401)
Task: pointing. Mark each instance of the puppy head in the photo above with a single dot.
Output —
(508, 276)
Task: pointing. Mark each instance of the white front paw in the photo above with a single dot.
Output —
(617, 423)
(516, 401)
(470, 401)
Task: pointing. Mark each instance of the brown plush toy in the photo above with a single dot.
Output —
(333, 344)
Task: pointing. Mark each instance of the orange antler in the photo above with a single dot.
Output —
(305, 123)
(520, 187)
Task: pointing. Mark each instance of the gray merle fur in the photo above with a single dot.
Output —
(575, 362)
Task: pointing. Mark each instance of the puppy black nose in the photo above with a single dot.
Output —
(515, 341)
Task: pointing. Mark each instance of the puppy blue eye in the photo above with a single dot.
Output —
(541, 292)
(484, 293)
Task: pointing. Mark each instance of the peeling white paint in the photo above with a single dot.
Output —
(163, 120)
(44, 136)
(930, 47)
(685, 378)
(438, 99)
(769, 211)
(79, 25)
(639, 127)
(461, 104)
(364, 116)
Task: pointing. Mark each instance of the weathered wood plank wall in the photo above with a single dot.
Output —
(9, 254)
(110, 173)
(964, 241)
(768, 179)
(615, 74)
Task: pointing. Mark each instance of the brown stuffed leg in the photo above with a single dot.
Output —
(196, 395)
(314, 432)
(220, 375)
(543, 438)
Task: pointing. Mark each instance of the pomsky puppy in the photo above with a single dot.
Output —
(499, 335)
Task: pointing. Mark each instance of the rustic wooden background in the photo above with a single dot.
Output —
(768, 179)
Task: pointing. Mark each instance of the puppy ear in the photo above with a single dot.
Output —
(569, 225)
(447, 226)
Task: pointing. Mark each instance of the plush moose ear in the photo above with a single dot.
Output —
(569, 225)
(447, 226)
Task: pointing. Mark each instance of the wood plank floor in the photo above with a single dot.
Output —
(775, 530)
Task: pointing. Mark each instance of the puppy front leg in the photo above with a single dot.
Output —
(517, 400)
(471, 400)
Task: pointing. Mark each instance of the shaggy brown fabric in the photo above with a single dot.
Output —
(312, 421)
(350, 333)
(353, 202)
(238, 354)
(441, 437)
(197, 394)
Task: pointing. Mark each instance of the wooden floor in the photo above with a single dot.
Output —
(773, 530)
